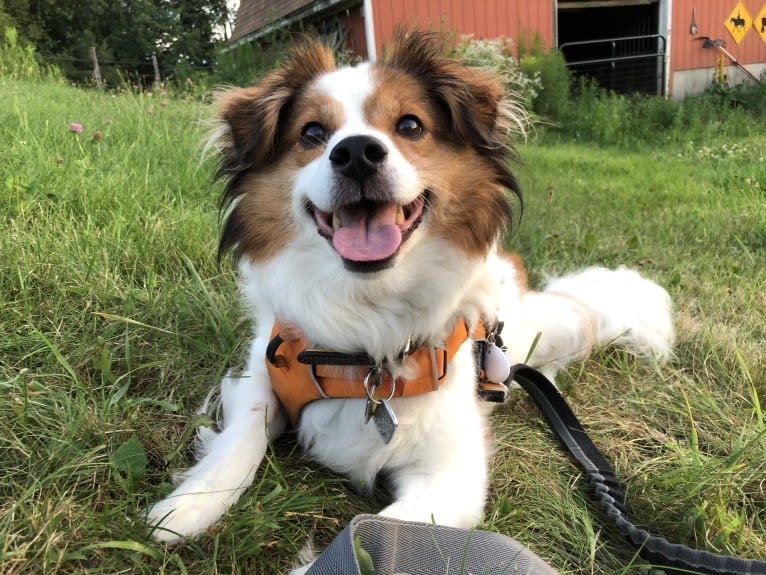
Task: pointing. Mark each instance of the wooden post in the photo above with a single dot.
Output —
(96, 69)
(157, 78)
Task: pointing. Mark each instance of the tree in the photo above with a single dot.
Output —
(195, 26)
(127, 32)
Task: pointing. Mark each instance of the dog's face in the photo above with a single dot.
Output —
(367, 160)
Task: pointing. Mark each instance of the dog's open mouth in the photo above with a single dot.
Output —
(368, 234)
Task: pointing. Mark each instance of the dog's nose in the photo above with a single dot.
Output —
(358, 156)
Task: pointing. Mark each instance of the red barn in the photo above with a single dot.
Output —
(668, 47)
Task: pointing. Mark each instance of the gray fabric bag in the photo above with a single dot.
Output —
(407, 548)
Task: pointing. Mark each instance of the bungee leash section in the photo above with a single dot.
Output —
(656, 550)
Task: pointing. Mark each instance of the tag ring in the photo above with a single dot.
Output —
(370, 386)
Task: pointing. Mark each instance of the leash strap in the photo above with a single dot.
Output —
(572, 435)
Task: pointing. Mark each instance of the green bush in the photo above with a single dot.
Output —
(19, 62)
(748, 97)
(552, 98)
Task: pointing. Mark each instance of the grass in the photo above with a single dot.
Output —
(115, 320)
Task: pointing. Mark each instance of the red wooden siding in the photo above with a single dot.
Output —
(253, 15)
(687, 53)
(482, 18)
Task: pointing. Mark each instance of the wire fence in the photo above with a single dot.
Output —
(107, 72)
(625, 65)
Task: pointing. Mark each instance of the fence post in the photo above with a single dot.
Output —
(96, 69)
(157, 78)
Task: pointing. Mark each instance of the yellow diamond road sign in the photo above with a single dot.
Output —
(760, 23)
(738, 22)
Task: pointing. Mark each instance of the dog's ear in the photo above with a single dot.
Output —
(475, 102)
(251, 116)
(248, 136)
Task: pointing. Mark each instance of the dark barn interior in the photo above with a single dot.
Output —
(614, 42)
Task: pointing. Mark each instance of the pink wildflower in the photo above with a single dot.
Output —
(75, 127)
(108, 121)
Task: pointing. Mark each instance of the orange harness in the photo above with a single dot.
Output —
(300, 374)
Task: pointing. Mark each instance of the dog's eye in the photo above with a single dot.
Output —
(410, 127)
(313, 135)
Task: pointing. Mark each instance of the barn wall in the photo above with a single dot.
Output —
(711, 16)
(692, 66)
(482, 18)
(253, 15)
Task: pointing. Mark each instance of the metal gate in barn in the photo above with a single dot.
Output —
(617, 43)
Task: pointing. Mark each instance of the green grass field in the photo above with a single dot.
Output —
(115, 320)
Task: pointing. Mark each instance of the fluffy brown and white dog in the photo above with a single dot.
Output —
(366, 207)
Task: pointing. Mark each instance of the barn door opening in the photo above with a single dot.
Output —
(617, 43)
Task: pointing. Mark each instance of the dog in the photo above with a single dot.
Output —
(366, 208)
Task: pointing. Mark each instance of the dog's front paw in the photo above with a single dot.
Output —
(184, 514)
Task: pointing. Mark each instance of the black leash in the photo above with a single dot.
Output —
(573, 436)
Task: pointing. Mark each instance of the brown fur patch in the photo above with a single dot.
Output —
(469, 208)
(254, 114)
(311, 106)
(397, 95)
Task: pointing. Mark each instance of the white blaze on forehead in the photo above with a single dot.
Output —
(350, 87)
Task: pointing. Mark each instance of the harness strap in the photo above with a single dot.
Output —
(575, 439)
(301, 374)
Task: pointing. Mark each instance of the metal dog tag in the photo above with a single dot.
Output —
(385, 420)
(369, 409)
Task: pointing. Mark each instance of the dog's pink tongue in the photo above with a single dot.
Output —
(367, 233)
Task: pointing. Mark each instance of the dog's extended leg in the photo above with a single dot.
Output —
(229, 459)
